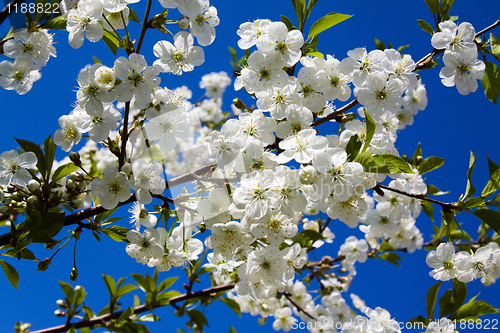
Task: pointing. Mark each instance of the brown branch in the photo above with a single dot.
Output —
(335, 114)
(102, 320)
(299, 308)
(6, 11)
(144, 27)
(445, 205)
(173, 202)
(92, 211)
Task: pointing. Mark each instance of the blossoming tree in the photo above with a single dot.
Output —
(265, 185)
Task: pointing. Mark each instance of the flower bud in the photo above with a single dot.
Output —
(419, 160)
(60, 313)
(75, 158)
(1, 196)
(127, 169)
(81, 186)
(76, 177)
(70, 185)
(60, 303)
(32, 200)
(74, 274)
(183, 23)
(307, 175)
(262, 321)
(240, 105)
(16, 196)
(43, 265)
(76, 203)
(33, 185)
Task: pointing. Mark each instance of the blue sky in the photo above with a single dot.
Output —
(450, 127)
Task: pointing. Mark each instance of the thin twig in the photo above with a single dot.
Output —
(144, 27)
(102, 320)
(299, 308)
(6, 11)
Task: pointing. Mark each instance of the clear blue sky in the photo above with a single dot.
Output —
(450, 127)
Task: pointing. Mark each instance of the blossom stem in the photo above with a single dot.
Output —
(123, 151)
(144, 27)
(299, 308)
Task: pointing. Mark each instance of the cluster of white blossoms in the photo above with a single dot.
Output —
(462, 68)
(271, 168)
(465, 266)
(30, 52)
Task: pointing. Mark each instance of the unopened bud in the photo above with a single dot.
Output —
(75, 158)
(33, 185)
(127, 169)
(404, 157)
(419, 160)
(74, 274)
(262, 321)
(32, 200)
(60, 303)
(81, 186)
(240, 105)
(43, 265)
(76, 177)
(70, 185)
(307, 175)
(60, 313)
(203, 227)
(183, 23)
(76, 203)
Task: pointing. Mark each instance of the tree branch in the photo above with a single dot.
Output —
(101, 320)
(6, 11)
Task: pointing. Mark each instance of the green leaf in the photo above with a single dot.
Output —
(79, 296)
(33, 147)
(433, 190)
(433, 6)
(490, 217)
(392, 164)
(429, 164)
(310, 6)
(428, 209)
(102, 216)
(115, 232)
(167, 283)
(49, 148)
(495, 44)
(111, 41)
(132, 16)
(431, 300)
(402, 47)
(63, 171)
(110, 284)
(459, 234)
(471, 203)
(306, 237)
(380, 45)
(148, 318)
(25, 254)
(494, 182)
(232, 304)
(58, 23)
(459, 294)
(445, 9)
(300, 10)
(473, 309)
(326, 22)
(419, 319)
(69, 292)
(43, 227)
(232, 330)
(425, 26)
(470, 189)
(198, 317)
(491, 81)
(353, 147)
(445, 304)
(125, 289)
(370, 129)
(288, 23)
(10, 272)
(391, 257)
(127, 313)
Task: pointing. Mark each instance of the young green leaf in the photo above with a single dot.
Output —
(490, 217)
(63, 171)
(429, 164)
(111, 41)
(33, 147)
(69, 292)
(288, 22)
(380, 45)
(58, 23)
(132, 16)
(198, 317)
(232, 304)
(115, 232)
(353, 147)
(494, 182)
(431, 300)
(10, 272)
(370, 130)
(491, 81)
(326, 22)
(300, 10)
(428, 209)
(391, 257)
(433, 5)
(473, 309)
(445, 304)
(470, 189)
(49, 148)
(459, 294)
(425, 26)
